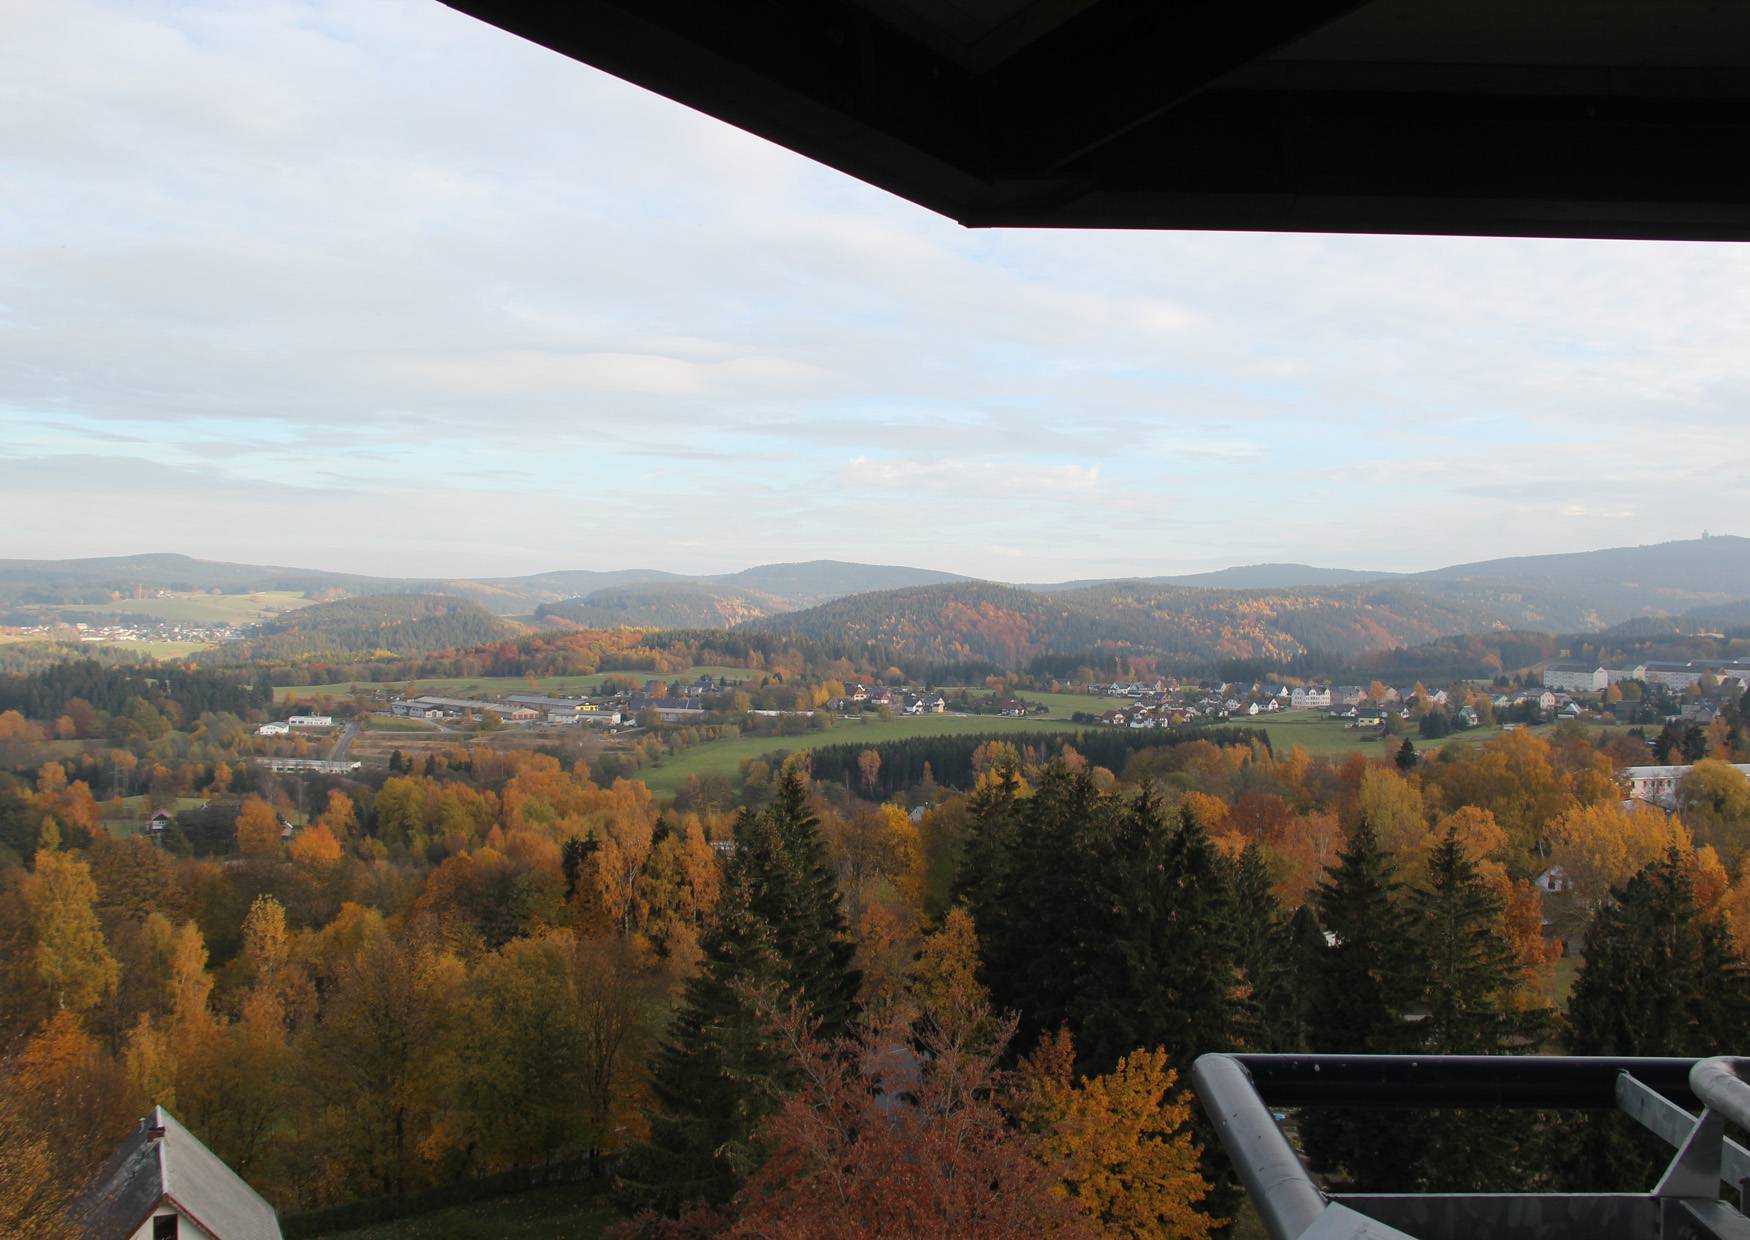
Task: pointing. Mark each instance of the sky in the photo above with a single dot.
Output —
(379, 288)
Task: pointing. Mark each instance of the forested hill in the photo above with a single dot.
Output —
(662, 605)
(1190, 626)
(399, 624)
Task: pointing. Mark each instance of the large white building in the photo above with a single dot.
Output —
(1572, 677)
(1657, 785)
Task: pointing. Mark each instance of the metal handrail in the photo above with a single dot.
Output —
(1721, 1086)
(1287, 1200)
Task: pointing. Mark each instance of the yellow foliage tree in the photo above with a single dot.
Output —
(314, 848)
(1600, 846)
(1123, 1141)
(72, 956)
(258, 829)
(944, 979)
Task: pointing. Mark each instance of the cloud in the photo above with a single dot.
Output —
(981, 478)
(526, 372)
(420, 274)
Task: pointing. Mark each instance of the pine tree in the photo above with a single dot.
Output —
(1366, 980)
(778, 936)
(1259, 943)
(1035, 903)
(1658, 979)
(1470, 969)
(715, 1077)
(1291, 1008)
(1468, 993)
(802, 904)
(1156, 942)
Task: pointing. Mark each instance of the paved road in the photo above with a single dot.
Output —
(341, 746)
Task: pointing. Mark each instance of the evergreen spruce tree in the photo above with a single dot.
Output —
(1259, 943)
(1468, 995)
(1157, 943)
(714, 1078)
(778, 935)
(799, 898)
(994, 808)
(1290, 1009)
(1032, 913)
(1471, 971)
(1658, 979)
(1366, 980)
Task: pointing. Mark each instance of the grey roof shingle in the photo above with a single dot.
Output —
(163, 1162)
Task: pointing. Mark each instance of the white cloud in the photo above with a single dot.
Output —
(979, 478)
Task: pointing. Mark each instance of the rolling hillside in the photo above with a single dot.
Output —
(1262, 610)
(399, 624)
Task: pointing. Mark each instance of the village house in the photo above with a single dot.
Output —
(161, 1183)
(311, 721)
(1309, 697)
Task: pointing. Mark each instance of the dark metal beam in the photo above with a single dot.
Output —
(1511, 1216)
(1123, 63)
(1554, 1082)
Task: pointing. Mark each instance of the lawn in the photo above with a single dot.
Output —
(465, 686)
(393, 723)
(1060, 705)
(724, 757)
(557, 1212)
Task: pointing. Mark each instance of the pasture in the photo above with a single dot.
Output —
(725, 757)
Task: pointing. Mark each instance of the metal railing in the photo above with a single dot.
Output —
(1237, 1091)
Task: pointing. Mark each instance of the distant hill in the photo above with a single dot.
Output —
(1259, 610)
(663, 605)
(644, 597)
(1010, 626)
(397, 624)
(1241, 577)
(1201, 623)
(1656, 577)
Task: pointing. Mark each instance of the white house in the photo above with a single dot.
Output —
(163, 1184)
(275, 728)
(311, 721)
(1309, 697)
(1553, 880)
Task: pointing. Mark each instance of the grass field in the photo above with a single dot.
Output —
(193, 608)
(1061, 705)
(392, 723)
(559, 1212)
(464, 686)
(724, 757)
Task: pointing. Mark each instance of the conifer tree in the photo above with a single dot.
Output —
(1259, 951)
(778, 937)
(715, 1076)
(1658, 979)
(1366, 981)
(1291, 1007)
(1034, 904)
(801, 902)
(1157, 942)
(1470, 968)
(1469, 984)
